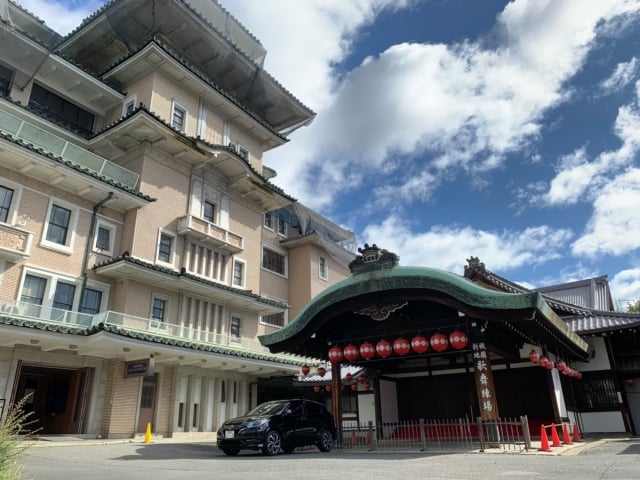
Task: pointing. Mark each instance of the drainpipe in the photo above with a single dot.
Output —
(92, 231)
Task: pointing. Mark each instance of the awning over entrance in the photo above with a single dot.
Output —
(383, 299)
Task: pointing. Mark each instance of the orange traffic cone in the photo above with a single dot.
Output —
(576, 432)
(147, 435)
(555, 440)
(566, 439)
(544, 441)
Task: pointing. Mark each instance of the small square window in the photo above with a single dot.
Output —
(129, 106)
(282, 227)
(234, 329)
(179, 117)
(268, 221)
(209, 213)
(238, 273)
(159, 309)
(322, 268)
(165, 248)
(58, 228)
(91, 301)
(6, 196)
(274, 261)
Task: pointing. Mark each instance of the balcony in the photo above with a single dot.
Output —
(207, 232)
(15, 243)
(51, 317)
(50, 143)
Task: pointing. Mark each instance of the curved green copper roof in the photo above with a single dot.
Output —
(463, 291)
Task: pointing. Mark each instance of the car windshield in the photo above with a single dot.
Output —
(268, 408)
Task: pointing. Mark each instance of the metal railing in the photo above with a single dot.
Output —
(31, 134)
(437, 434)
(50, 315)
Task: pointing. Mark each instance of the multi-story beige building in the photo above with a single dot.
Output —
(143, 248)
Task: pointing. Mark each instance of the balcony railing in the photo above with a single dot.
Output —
(49, 315)
(210, 233)
(15, 244)
(40, 313)
(29, 133)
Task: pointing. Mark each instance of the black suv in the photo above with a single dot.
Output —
(279, 425)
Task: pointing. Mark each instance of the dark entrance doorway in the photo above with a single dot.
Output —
(57, 398)
(147, 402)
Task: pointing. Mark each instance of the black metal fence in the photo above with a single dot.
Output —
(437, 434)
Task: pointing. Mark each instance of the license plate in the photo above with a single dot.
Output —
(228, 433)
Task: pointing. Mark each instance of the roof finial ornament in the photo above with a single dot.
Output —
(474, 265)
(373, 258)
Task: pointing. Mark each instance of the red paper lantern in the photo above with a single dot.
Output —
(354, 387)
(566, 371)
(439, 342)
(561, 366)
(367, 386)
(305, 369)
(362, 380)
(549, 365)
(367, 351)
(458, 340)
(348, 378)
(401, 346)
(543, 361)
(322, 371)
(419, 344)
(578, 376)
(327, 388)
(317, 389)
(534, 356)
(351, 353)
(383, 348)
(335, 355)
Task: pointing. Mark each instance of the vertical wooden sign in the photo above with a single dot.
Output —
(484, 383)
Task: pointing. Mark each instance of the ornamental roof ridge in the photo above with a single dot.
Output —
(373, 258)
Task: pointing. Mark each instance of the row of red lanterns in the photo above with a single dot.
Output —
(439, 342)
(354, 387)
(562, 367)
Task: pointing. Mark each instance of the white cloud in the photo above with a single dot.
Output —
(622, 76)
(420, 109)
(626, 285)
(60, 15)
(448, 248)
(614, 227)
(578, 177)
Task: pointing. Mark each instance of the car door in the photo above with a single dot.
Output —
(294, 424)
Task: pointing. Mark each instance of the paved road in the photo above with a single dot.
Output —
(610, 460)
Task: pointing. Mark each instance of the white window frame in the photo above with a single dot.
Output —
(161, 324)
(12, 218)
(243, 151)
(131, 101)
(52, 279)
(175, 105)
(281, 222)
(233, 338)
(71, 229)
(284, 323)
(244, 273)
(216, 211)
(173, 247)
(264, 222)
(321, 275)
(112, 237)
(279, 252)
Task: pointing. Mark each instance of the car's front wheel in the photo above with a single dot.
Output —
(272, 443)
(232, 452)
(325, 442)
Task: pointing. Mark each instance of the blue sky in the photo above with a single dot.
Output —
(447, 129)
